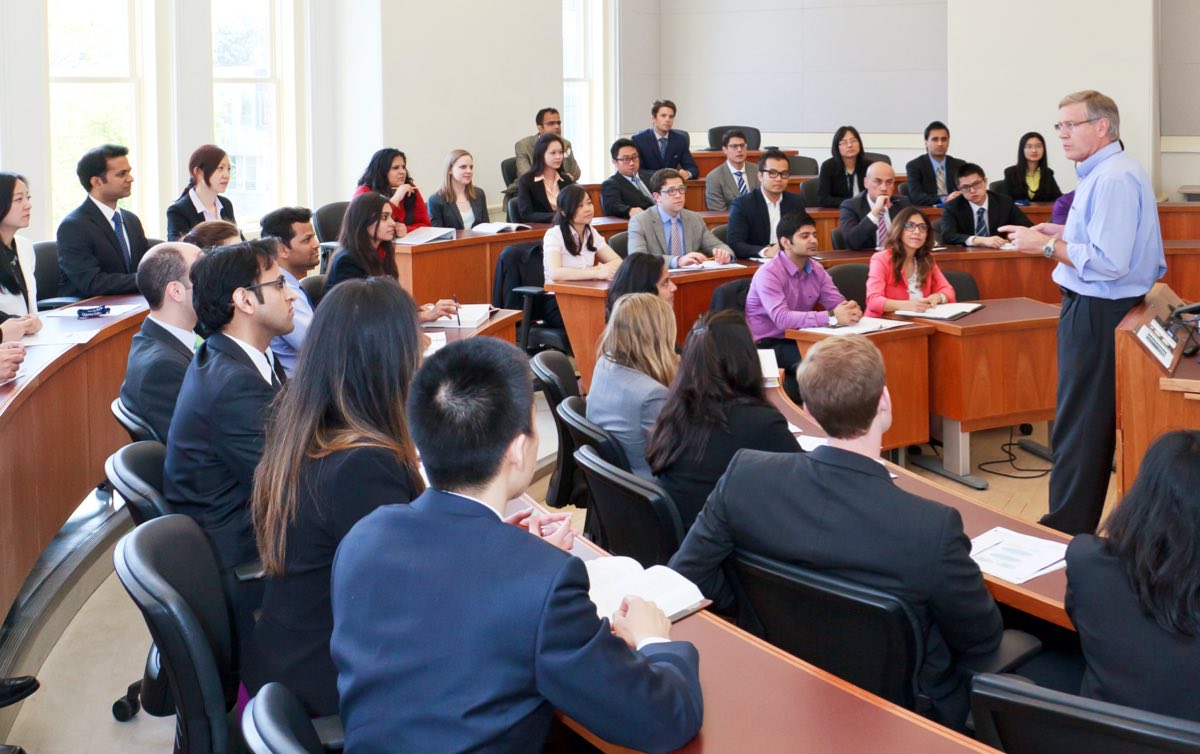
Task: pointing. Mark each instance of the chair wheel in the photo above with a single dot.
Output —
(125, 708)
(1026, 429)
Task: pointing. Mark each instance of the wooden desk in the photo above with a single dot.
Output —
(463, 267)
(501, 324)
(905, 353)
(56, 431)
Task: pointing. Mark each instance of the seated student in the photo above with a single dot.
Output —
(458, 203)
(337, 448)
(1132, 591)
(162, 349)
(640, 273)
(626, 193)
(100, 244)
(299, 253)
(837, 510)
(211, 234)
(635, 361)
(733, 178)
(216, 436)
(455, 632)
(755, 216)
(537, 188)
(904, 276)
(866, 219)
(662, 146)
(784, 291)
(573, 249)
(209, 171)
(976, 214)
(844, 174)
(12, 354)
(387, 174)
(715, 407)
(1031, 179)
(932, 177)
(548, 121)
(1062, 206)
(671, 231)
(18, 284)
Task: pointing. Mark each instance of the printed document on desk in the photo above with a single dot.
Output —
(498, 227)
(613, 578)
(942, 311)
(418, 236)
(864, 325)
(1016, 557)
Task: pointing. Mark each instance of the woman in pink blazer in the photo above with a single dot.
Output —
(904, 276)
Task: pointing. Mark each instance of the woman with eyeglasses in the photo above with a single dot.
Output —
(209, 174)
(1031, 179)
(387, 174)
(458, 203)
(573, 249)
(904, 276)
(842, 176)
(538, 189)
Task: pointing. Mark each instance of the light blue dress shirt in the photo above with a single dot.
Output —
(286, 347)
(1112, 231)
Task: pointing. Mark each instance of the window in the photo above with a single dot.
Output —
(582, 111)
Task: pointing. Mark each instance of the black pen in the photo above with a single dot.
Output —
(457, 316)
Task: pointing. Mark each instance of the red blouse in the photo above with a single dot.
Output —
(417, 218)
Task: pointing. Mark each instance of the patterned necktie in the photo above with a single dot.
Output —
(662, 148)
(117, 224)
(676, 237)
(881, 230)
(641, 186)
(981, 228)
(941, 180)
(741, 183)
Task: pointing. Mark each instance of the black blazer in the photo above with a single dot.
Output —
(153, 375)
(90, 262)
(533, 206)
(751, 425)
(344, 266)
(958, 219)
(831, 181)
(215, 442)
(750, 222)
(857, 230)
(1130, 659)
(291, 638)
(618, 195)
(1016, 187)
(841, 513)
(922, 183)
(182, 216)
(444, 214)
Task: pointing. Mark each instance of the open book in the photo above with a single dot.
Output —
(499, 227)
(418, 236)
(469, 315)
(614, 578)
(942, 311)
(770, 367)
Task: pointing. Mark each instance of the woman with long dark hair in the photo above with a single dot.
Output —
(18, 285)
(904, 275)
(716, 406)
(387, 174)
(337, 447)
(842, 175)
(1031, 178)
(640, 273)
(209, 174)
(538, 189)
(572, 249)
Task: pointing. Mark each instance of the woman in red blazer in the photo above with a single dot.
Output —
(387, 174)
(904, 275)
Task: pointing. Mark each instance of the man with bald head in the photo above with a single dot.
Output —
(867, 217)
(161, 351)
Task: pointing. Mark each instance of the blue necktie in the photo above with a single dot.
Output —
(662, 149)
(121, 240)
(741, 183)
(981, 228)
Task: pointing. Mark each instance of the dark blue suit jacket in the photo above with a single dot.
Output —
(679, 151)
(90, 260)
(454, 631)
(154, 375)
(750, 222)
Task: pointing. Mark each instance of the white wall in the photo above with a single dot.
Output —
(25, 106)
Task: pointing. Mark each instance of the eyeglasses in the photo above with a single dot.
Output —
(278, 283)
(1070, 126)
(736, 146)
(674, 191)
(974, 185)
(923, 227)
(777, 173)
(628, 160)
(848, 142)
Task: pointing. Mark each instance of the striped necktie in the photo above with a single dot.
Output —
(941, 181)
(881, 230)
(676, 237)
(741, 183)
(981, 228)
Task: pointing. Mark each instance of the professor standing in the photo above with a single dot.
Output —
(1108, 255)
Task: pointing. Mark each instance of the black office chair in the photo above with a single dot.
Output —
(274, 722)
(837, 239)
(518, 285)
(799, 165)
(1016, 716)
(314, 286)
(638, 518)
(557, 378)
(731, 295)
(716, 133)
(513, 214)
(809, 192)
(152, 242)
(722, 233)
(584, 431)
(45, 273)
(508, 172)
(138, 428)
(851, 280)
(327, 222)
(620, 243)
(963, 283)
(1000, 187)
(902, 190)
(877, 157)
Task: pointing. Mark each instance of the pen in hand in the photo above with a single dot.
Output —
(457, 316)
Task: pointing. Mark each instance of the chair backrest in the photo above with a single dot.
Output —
(274, 722)
(877, 157)
(1000, 187)
(327, 221)
(518, 265)
(637, 517)
(45, 268)
(837, 239)
(731, 295)
(851, 280)
(152, 242)
(1019, 717)
(620, 243)
(167, 566)
(557, 376)
(314, 286)
(584, 431)
(809, 192)
(902, 190)
(137, 427)
(716, 133)
(514, 213)
(722, 232)
(136, 473)
(508, 170)
(798, 165)
(862, 635)
(963, 283)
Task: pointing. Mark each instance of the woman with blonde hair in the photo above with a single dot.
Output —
(458, 203)
(635, 362)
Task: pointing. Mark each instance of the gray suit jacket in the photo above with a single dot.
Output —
(524, 152)
(627, 403)
(647, 235)
(720, 187)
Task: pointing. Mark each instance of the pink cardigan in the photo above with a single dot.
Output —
(881, 284)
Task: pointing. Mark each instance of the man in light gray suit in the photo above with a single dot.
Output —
(735, 177)
(668, 230)
(548, 121)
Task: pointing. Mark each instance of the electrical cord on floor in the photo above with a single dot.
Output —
(1011, 460)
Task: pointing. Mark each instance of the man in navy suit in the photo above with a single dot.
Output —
(626, 193)
(100, 244)
(456, 631)
(662, 146)
(974, 218)
(756, 215)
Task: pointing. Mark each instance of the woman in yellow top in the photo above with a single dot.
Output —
(1031, 179)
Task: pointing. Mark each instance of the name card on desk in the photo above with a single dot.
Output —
(1158, 342)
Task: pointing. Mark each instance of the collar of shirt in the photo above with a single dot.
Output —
(658, 136)
(1088, 165)
(206, 212)
(668, 217)
(976, 207)
(475, 499)
(107, 210)
(936, 163)
(186, 337)
(742, 169)
(260, 358)
(557, 178)
(767, 199)
(635, 179)
(790, 267)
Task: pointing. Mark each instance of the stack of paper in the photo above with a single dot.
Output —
(942, 311)
(418, 236)
(1015, 557)
(469, 315)
(864, 325)
(56, 337)
(437, 340)
(498, 227)
(614, 578)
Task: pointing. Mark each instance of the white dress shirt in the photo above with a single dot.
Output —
(108, 215)
(186, 337)
(262, 360)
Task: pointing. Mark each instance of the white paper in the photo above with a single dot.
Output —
(437, 341)
(1015, 557)
(794, 429)
(1010, 246)
(471, 315)
(58, 338)
(418, 236)
(770, 367)
(612, 579)
(116, 310)
(941, 311)
(864, 325)
(808, 442)
(498, 227)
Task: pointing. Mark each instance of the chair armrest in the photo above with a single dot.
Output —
(1016, 647)
(530, 290)
(329, 730)
(46, 304)
(252, 571)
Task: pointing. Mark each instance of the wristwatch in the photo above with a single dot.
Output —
(832, 320)
(1048, 250)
